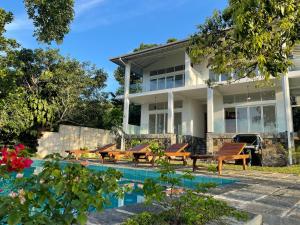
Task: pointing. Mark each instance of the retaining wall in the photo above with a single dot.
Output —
(71, 138)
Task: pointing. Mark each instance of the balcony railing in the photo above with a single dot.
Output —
(296, 66)
(160, 83)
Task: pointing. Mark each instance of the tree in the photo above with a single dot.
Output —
(47, 89)
(170, 40)
(249, 35)
(144, 46)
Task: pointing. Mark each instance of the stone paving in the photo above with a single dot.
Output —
(275, 196)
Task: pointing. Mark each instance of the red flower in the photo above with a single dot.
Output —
(12, 161)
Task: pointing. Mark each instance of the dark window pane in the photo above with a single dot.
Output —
(170, 70)
(162, 71)
(153, 73)
(179, 68)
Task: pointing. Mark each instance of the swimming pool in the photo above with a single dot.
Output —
(133, 177)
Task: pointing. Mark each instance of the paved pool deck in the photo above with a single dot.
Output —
(275, 196)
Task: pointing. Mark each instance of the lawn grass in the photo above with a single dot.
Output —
(212, 167)
(295, 169)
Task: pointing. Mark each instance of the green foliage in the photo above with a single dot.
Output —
(144, 46)
(236, 41)
(59, 194)
(191, 207)
(51, 18)
(146, 218)
(44, 89)
(170, 40)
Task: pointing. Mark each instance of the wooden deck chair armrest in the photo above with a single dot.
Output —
(232, 157)
(177, 154)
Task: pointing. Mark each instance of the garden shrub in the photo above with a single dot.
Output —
(191, 207)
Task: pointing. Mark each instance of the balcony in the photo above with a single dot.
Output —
(158, 83)
(296, 64)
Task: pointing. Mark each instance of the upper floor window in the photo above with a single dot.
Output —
(164, 105)
(250, 97)
(167, 70)
(167, 82)
(218, 77)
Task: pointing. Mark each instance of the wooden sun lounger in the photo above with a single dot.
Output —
(229, 151)
(104, 149)
(141, 152)
(177, 152)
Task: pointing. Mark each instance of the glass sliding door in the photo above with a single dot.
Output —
(152, 122)
(242, 120)
(177, 123)
(160, 123)
(269, 116)
(255, 124)
(230, 120)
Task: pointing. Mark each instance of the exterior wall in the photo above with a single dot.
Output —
(193, 118)
(72, 138)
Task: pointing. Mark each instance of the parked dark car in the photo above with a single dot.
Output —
(254, 147)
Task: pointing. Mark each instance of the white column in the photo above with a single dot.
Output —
(188, 68)
(288, 115)
(126, 98)
(210, 110)
(170, 113)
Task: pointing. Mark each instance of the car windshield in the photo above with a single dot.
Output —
(253, 140)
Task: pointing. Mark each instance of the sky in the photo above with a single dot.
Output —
(106, 28)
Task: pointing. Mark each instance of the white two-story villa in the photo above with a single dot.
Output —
(175, 98)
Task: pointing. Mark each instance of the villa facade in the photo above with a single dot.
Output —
(175, 98)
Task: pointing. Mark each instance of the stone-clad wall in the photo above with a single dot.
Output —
(71, 138)
(274, 153)
(196, 145)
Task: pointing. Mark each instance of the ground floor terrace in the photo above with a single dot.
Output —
(274, 196)
(222, 111)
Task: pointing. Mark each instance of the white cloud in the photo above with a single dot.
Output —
(19, 23)
(86, 5)
(119, 10)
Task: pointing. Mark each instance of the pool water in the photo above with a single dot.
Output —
(132, 177)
